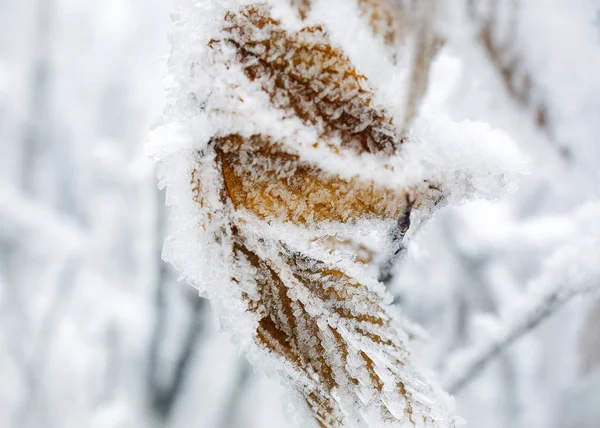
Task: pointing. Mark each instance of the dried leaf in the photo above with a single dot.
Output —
(334, 330)
(274, 184)
(306, 76)
(500, 47)
(310, 312)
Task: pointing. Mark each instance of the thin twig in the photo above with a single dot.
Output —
(397, 244)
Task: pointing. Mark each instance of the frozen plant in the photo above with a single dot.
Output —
(292, 122)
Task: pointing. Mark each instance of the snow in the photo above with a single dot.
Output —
(487, 155)
(226, 109)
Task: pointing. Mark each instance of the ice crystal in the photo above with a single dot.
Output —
(274, 143)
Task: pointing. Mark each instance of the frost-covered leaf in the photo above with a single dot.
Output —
(501, 45)
(335, 331)
(274, 184)
(307, 77)
(282, 143)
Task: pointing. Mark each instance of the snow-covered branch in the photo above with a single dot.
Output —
(571, 271)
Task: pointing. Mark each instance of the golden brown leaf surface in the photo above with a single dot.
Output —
(322, 350)
(273, 184)
(305, 75)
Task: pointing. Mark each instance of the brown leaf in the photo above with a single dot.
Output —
(309, 78)
(324, 351)
(502, 50)
(330, 327)
(287, 330)
(274, 184)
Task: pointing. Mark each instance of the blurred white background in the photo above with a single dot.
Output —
(95, 330)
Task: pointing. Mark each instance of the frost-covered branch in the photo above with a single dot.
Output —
(571, 271)
(531, 58)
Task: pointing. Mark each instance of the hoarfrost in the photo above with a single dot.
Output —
(276, 139)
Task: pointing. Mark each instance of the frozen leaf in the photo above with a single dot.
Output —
(307, 77)
(283, 140)
(336, 332)
(274, 184)
(502, 49)
(409, 29)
